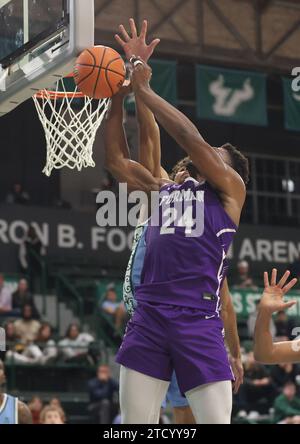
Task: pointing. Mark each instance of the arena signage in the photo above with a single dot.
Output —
(70, 234)
(244, 303)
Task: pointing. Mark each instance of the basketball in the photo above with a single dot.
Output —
(99, 72)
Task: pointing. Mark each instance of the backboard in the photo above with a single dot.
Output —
(39, 42)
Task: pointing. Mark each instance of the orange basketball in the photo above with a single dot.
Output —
(99, 72)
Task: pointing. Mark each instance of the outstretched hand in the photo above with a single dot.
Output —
(136, 45)
(273, 296)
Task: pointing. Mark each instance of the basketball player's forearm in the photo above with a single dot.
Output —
(149, 134)
(206, 159)
(114, 135)
(268, 352)
(173, 120)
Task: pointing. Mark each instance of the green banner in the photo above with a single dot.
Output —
(231, 95)
(164, 82)
(291, 106)
(244, 302)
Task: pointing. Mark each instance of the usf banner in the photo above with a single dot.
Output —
(291, 106)
(231, 95)
(164, 82)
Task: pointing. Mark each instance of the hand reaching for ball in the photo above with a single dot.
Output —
(136, 45)
(141, 75)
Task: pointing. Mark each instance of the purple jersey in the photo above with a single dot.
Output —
(187, 240)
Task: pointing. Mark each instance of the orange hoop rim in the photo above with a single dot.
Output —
(54, 95)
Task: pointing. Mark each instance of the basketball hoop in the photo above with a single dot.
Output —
(70, 130)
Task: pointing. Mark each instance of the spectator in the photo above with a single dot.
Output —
(27, 328)
(252, 321)
(114, 308)
(52, 415)
(18, 195)
(101, 391)
(22, 297)
(5, 297)
(283, 373)
(243, 279)
(75, 345)
(41, 353)
(257, 384)
(31, 249)
(55, 402)
(287, 406)
(283, 326)
(35, 406)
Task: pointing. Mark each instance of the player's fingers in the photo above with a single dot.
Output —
(289, 304)
(133, 28)
(273, 277)
(283, 279)
(120, 41)
(154, 44)
(290, 285)
(124, 33)
(266, 279)
(144, 30)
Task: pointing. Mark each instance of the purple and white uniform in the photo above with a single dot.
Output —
(177, 325)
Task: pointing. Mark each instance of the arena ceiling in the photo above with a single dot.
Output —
(247, 33)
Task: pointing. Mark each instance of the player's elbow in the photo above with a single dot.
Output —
(263, 356)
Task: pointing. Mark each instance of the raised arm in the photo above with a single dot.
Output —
(206, 158)
(231, 335)
(135, 44)
(117, 159)
(272, 301)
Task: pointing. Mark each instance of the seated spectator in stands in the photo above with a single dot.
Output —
(257, 385)
(43, 352)
(287, 405)
(27, 328)
(283, 373)
(284, 326)
(5, 297)
(55, 402)
(114, 308)
(101, 391)
(243, 280)
(75, 345)
(31, 248)
(10, 336)
(18, 195)
(21, 297)
(252, 321)
(36, 406)
(52, 415)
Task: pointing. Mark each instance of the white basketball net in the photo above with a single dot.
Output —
(70, 131)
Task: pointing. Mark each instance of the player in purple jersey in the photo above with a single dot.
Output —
(146, 353)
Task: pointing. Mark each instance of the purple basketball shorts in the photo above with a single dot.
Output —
(161, 338)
